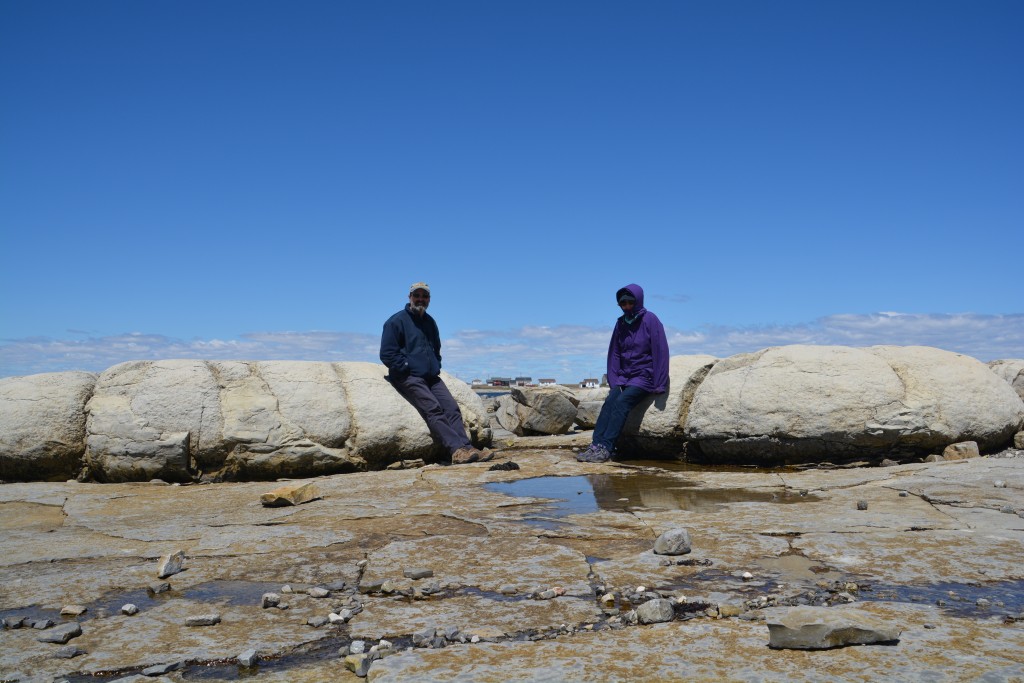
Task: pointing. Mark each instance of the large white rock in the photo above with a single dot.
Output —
(253, 420)
(1012, 370)
(655, 426)
(817, 402)
(42, 425)
(149, 419)
(386, 428)
(541, 410)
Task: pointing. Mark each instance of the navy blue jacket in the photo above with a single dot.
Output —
(411, 345)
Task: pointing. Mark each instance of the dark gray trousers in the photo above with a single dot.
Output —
(439, 410)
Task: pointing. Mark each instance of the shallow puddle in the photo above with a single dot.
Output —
(639, 490)
(1004, 598)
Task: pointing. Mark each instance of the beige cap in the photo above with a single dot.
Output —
(419, 285)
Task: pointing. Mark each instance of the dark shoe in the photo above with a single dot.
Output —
(595, 453)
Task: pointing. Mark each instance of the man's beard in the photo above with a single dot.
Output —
(418, 310)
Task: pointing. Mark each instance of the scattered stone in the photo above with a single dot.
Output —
(506, 466)
(290, 494)
(673, 542)
(248, 658)
(1018, 440)
(851, 587)
(961, 451)
(424, 637)
(318, 592)
(203, 620)
(73, 610)
(608, 599)
(270, 600)
(746, 576)
(982, 602)
(903, 494)
(819, 628)
(13, 622)
(161, 669)
(1007, 509)
(158, 587)
(318, 621)
(69, 652)
(730, 610)
(129, 609)
(359, 664)
(999, 484)
(413, 464)
(862, 505)
(508, 589)
(171, 565)
(547, 595)
(42, 624)
(929, 626)
(286, 588)
(655, 611)
(934, 457)
(886, 462)
(61, 634)
(357, 647)
(416, 574)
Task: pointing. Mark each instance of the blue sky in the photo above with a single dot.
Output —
(263, 180)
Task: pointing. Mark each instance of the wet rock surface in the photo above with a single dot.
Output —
(547, 572)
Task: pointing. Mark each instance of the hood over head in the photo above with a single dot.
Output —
(636, 291)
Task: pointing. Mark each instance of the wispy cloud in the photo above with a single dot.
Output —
(565, 352)
(671, 298)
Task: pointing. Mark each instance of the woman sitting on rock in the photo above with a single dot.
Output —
(637, 368)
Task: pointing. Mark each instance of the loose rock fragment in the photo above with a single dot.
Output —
(317, 621)
(961, 451)
(270, 600)
(171, 565)
(203, 620)
(818, 628)
(291, 494)
(73, 610)
(61, 634)
(673, 542)
(655, 611)
(415, 574)
(862, 505)
(69, 652)
(161, 669)
(158, 587)
(248, 658)
(129, 609)
(317, 592)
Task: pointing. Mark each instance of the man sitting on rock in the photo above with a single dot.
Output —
(410, 347)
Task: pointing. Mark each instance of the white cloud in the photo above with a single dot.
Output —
(565, 352)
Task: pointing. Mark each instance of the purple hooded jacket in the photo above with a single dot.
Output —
(638, 352)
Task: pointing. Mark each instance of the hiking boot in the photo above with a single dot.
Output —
(485, 454)
(465, 455)
(596, 453)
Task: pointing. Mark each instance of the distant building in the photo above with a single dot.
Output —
(500, 381)
(604, 380)
(477, 382)
(590, 383)
(523, 381)
(546, 382)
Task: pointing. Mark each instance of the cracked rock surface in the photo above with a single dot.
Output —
(530, 583)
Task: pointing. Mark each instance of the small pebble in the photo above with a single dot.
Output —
(746, 576)
(270, 600)
(317, 622)
(69, 652)
(903, 494)
(247, 658)
(73, 610)
(862, 505)
(357, 647)
(318, 592)
(1007, 509)
(203, 620)
(1000, 484)
(158, 587)
(129, 609)
(982, 602)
